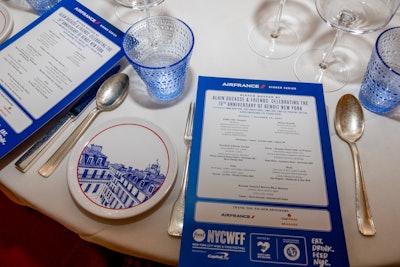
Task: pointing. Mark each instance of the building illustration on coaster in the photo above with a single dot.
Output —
(114, 185)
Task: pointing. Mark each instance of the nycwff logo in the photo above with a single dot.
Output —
(225, 237)
(219, 237)
(199, 235)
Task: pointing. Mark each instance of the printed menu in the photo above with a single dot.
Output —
(49, 64)
(262, 188)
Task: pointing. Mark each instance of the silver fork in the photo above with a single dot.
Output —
(176, 221)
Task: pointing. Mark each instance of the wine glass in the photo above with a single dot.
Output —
(123, 9)
(353, 16)
(274, 39)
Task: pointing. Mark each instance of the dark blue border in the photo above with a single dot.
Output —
(97, 23)
(335, 237)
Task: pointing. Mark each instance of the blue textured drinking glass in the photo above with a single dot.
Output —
(159, 49)
(380, 89)
(41, 6)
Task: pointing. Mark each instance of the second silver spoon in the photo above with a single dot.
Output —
(109, 96)
(349, 125)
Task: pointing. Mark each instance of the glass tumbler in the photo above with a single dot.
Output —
(159, 49)
(41, 6)
(380, 89)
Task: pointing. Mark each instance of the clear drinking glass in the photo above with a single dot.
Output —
(130, 11)
(352, 16)
(41, 6)
(159, 49)
(380, 89)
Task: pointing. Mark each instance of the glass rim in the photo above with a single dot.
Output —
(138, 7)
(379, 53)
(187, 54)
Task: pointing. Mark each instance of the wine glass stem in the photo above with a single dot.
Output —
(146, 9)
(275, 31)
(327, 55)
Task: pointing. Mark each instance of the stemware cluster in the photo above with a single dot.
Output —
(277, 40)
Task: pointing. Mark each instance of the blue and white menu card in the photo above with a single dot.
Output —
(262, 188)
(49, 64)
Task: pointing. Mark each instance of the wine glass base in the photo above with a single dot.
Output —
(129, 15)
(261, 41)
(334, 77)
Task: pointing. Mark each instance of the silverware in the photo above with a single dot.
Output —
(109, 96)
(176, 221)
(36, 150)
(349, 124)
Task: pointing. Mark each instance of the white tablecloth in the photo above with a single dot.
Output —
(221, 49)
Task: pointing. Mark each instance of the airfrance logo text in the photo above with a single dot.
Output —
(244, 85)
(236, 215)
(86, 15)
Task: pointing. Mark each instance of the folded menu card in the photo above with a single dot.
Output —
(49, 64)
(262, 188)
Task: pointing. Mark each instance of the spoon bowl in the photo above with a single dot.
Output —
(349, 119)
(349, 125)
(109, 96)
(112, 92)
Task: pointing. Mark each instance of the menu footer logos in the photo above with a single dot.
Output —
(278, 249)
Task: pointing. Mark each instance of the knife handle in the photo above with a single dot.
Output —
(51, 164)
(31, 156)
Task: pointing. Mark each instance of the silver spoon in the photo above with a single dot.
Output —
(349, 124)
(109, 96)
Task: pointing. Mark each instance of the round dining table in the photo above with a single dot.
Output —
(221, 49)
